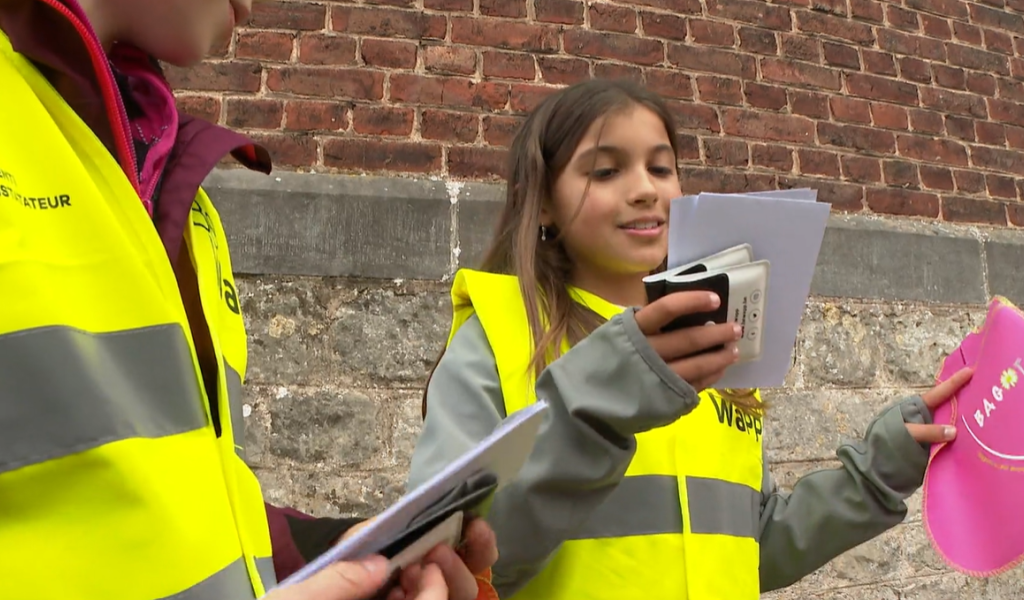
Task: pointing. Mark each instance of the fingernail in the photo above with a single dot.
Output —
(948, 432)
(714, 300)
(737, 331)
(735, 352)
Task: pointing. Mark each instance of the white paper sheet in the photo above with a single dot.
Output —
(785, 227)
(502, 453)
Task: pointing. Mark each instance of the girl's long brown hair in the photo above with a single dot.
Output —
(540, 152)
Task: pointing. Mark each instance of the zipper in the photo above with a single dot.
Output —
(116, 113)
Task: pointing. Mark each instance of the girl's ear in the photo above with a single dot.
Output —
(546, 219)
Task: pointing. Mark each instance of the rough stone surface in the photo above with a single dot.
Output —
(851, 345)
(335, 381)
(1004, 268)
(342, 331)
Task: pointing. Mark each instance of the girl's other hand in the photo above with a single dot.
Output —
(459, 571)
(679, 348)
(934, 398)
(350, 581)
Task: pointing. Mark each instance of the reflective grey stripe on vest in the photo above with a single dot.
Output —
(234, 381)
(718, 506)
(265, 567)
(643, 505)
(649, 505)
(230, 583)
(64, 391)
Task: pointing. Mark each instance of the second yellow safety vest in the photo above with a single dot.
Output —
(683, 523)
(118, 478)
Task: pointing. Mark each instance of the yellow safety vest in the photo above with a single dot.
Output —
(114, 483)
(682, 524)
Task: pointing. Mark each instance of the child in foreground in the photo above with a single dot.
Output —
(122, 345)
(645, 482)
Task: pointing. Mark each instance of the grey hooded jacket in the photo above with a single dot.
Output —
(612, 386)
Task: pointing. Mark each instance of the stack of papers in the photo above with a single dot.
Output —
(784, 228)
(433, 513)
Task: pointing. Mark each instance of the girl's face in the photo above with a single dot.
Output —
(180, 32)
(621, 231)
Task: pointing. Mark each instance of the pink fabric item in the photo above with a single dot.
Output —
(974, 485)
(157, 127)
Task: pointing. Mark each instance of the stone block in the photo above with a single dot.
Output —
(915, 340)
(1005, 261)
(325, 492)
(869, 260)
(310, 332)
(847, 344)
(385, 335)
(331, 451)
(803, 426)
(838, 346)
(479, 211)
(319, 426)
(256, 420)
(286, 321)
(304, 224)
(405, 409)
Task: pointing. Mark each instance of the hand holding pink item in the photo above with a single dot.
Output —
(975, 484)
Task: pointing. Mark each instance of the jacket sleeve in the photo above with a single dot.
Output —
(834, 510)
(582, 449)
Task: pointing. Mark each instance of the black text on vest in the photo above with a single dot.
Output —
(9, 189)
(227, 291)
(730, 416)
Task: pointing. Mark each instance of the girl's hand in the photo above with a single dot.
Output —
(678, 348)
(353, 581)
(459, 571)
(934, 398)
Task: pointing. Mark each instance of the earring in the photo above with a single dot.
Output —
(543, 233)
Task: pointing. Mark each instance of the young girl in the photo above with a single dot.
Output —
(639, 487)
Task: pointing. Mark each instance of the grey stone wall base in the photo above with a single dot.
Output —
(396, 228)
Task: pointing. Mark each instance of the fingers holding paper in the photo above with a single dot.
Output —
(341, 581)
(459, 572)
(424, 582)
(656, 315)
(440, 569)
(700, 355)
(361, 580)
(935, 397)
(481, 547)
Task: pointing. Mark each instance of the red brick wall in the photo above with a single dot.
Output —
(908, 108)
